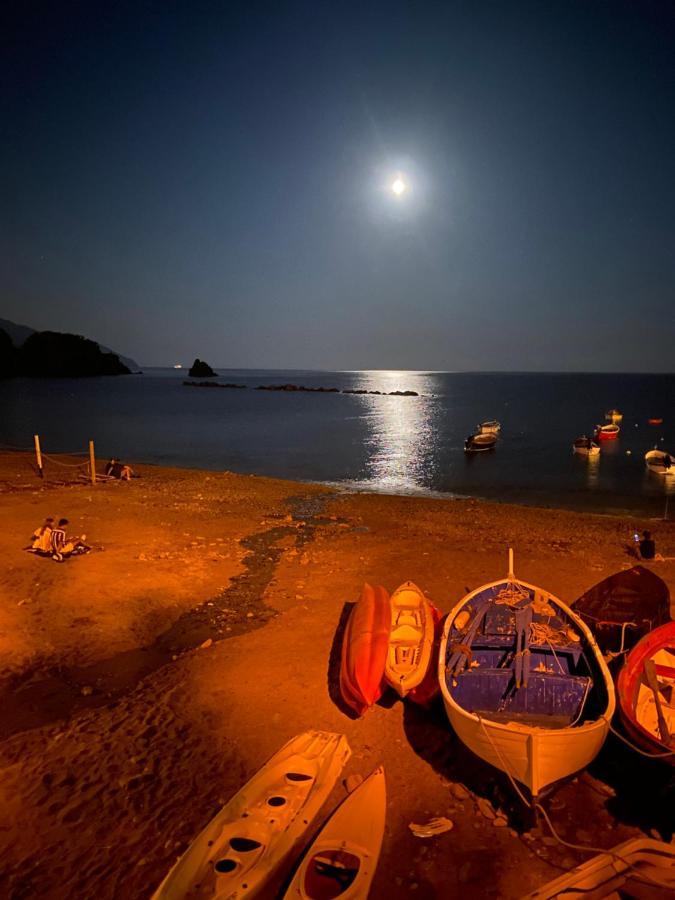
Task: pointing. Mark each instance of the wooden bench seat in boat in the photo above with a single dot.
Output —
(549, 697)
(507, 642)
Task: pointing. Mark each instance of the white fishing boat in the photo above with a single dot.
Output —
(524, 684)
(490, 427)
(660, 462)
(584, 446)
(614, 416)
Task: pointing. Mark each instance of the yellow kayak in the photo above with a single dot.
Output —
(410, 640)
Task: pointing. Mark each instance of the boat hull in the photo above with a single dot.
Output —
(607, 432)
(660, 463)
(411, 639)
(364, 649)
(606, 874)
(535, 756)
(628, 687)
(348, 846)
(250, 841)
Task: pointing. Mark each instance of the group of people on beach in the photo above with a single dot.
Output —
(116, 469)
(51, 540)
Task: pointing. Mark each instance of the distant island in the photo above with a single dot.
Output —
(51, 354)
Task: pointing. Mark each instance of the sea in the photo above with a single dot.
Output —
(370, 442)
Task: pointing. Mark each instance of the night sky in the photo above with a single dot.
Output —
(213, 180)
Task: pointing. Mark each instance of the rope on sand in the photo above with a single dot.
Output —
(536, 806)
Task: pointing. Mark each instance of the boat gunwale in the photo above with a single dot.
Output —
(601, 722)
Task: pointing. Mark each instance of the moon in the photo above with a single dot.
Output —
(398, 186)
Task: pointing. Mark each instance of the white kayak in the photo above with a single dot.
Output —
(253, 835)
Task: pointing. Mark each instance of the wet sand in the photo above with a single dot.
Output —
(142, 684)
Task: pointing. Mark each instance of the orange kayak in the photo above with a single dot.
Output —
(364, 649)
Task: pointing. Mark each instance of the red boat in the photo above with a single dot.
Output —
(607, 432)
(655, 421)
(364, 649)
(642, 717)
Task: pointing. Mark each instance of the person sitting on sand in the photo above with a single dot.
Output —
(41, 539)
(116, 469)
(647, 546)
(62, 546)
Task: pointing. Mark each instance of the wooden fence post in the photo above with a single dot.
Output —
(92, 462)
(38, 454)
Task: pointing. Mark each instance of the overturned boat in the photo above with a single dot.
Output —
(524, 683)
(623, 608)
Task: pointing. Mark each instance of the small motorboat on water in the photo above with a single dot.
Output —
(491, 427)
(475, 443)
(623, 608)
(607, 432)
(523, 681)
(646, 691)
(655, 421)
(614, 416)
(659, 462)
(584, 446)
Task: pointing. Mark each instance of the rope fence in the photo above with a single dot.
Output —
(55, 462)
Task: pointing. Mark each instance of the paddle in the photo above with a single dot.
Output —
(650, 674)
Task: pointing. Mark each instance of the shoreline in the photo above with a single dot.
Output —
(142, 684)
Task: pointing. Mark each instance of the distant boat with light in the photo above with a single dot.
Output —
(523, 681)
(178, 366)
(660, 462)
(607, 432)
(584, 446)
(477, 443)
(614, 416)
(655, 421)
(490, 427)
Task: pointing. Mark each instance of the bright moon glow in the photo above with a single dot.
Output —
(398, 186)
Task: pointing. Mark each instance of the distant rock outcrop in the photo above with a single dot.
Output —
(200, 369)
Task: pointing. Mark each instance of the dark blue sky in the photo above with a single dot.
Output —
(189, 179)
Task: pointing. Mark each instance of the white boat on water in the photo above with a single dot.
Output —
(584, 446)
(524, 683)
(476, 443)
(660, 462)
(490, 427)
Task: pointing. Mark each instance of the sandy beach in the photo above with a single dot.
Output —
(142, 684)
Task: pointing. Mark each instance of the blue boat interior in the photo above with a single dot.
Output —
(519, 658)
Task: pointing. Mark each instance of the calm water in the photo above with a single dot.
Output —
(393, 444)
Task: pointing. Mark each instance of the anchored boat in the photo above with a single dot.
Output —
(342, 860)
(659, 462)
(490, 427)
(475, 443)
(410, 640)
(250, 840)
(614, 416)
(584, 446)
(646, 689)
(524, 683)
(607, 432)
